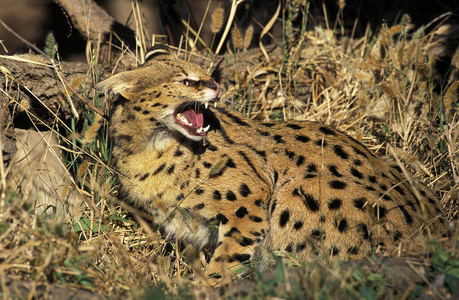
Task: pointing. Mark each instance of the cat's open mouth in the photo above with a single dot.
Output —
(196, 118)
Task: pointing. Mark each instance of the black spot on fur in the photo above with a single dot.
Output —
(353, 250)
(298, 225)
(334, 171)
(396, 235)
(300, 160)
(372, 179)
(359, 202)
(198, 191)
(294, 126)
(379, 211)
(362, 230)
(255, 219)
(284, 217)
(241, 212)
(289, 248)
(259, 202)
(171, 169)
(300, 247)
(397, 168)
(197, 173)
(311, 168)
(230, 163)
(318, 234)
(337, 185)
(137, 108)
(222, 218)
(321, 143)
(180, 197)
(211, 147)
(125, 137)
(215, 275)
(385, 197)
(237, 120)
(290, 154)
(340, 152)
(308, 199)
(278, 139)
(326, 130)
(334, 251)
(341, 225)
(184, 184)
(334, 203)
(199, 206)
(399, 189)
(230, 196)
(244, 190)
(357, 162)
(241, 257)
(263, 133)
(302, 138)
(217, 195)
(261, 153)
(207, 165)
(159, 169)
(359, 152)
(246, 241)
(273, 206)
(145, 176)
(178, 153)
(406, 215)
(232, 231)
(356, 173)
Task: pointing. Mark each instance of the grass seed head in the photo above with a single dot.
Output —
(236, 36)
(424, 70)
(248, 37)
(217, 19)
(406, 20)
(388, 90)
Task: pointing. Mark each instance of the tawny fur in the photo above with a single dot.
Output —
(254, 187)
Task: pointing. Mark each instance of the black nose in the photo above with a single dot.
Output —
(212, 85)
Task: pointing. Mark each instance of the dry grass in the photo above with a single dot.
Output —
(381, 89)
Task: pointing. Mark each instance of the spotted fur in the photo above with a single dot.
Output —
(250, 187)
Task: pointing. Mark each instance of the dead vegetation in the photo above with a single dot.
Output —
(383, 89)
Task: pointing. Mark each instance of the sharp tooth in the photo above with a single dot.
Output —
(215, 104)
(183, 119)
(206, 105)
(199, 130)
(205, 129)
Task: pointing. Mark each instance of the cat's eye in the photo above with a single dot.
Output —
(189, 82)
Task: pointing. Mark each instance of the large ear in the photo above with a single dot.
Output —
(159, 52)
(125, 84)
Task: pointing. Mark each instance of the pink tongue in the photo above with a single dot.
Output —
(197, 120)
